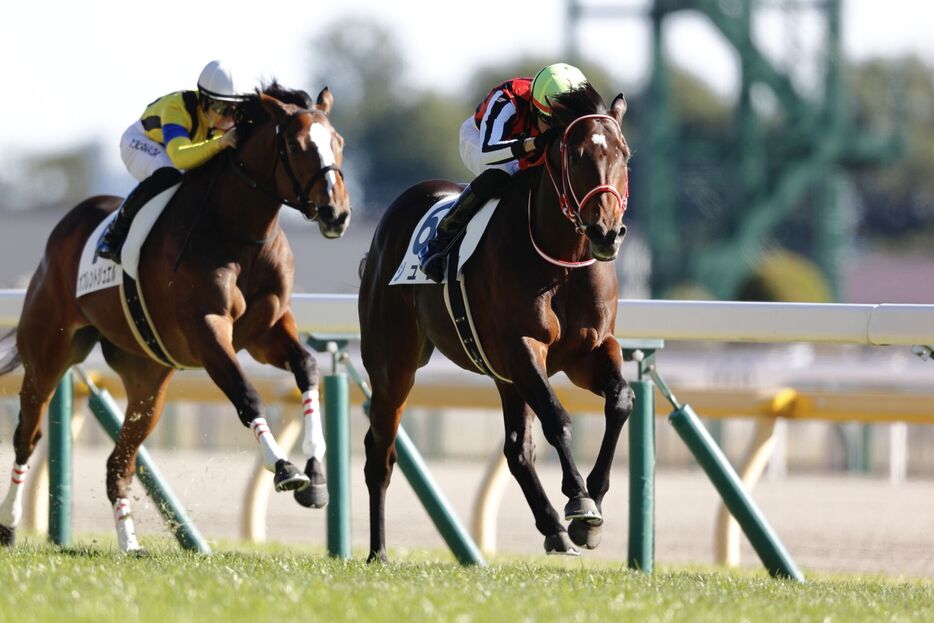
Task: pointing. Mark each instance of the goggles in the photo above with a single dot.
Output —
(224, 109)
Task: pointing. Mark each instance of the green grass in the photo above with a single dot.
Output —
(94, 583)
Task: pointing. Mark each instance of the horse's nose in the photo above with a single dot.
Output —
(326, 212)
(603, 236)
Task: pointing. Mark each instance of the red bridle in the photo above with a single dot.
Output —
(573, 211)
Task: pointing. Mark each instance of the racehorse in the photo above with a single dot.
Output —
(217, 273)
(540, 304)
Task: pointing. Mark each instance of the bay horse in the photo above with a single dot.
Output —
(217, 273)
(540, 303)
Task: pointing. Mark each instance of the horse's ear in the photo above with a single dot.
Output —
(325, 101)
(273, 106)
(618, 108)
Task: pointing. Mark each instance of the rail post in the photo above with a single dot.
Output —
(641, 554)
(60, 463)
(754, 524)
(337, 431)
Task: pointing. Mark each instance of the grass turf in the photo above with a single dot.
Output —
(95, 583)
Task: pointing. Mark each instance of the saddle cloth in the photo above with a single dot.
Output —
(408, 272)
(96, 273)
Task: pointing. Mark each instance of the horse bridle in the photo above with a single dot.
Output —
(573, 211)
(282, 155)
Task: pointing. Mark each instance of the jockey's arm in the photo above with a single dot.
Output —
(185, 154)
(495, 146)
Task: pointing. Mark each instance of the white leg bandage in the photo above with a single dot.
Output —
(267, 443)
(11, 510)
(313, 445)
(126, 531)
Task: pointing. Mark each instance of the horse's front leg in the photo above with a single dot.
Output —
(281, 347)
(213, 343)
(531, 381)
(519, 449)
(600, 372)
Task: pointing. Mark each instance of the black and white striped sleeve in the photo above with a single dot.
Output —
(495, 146)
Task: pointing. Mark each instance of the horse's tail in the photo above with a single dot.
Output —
(362, 266)
(11, 360)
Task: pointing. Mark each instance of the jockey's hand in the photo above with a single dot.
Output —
(546, 138)
(229, 139)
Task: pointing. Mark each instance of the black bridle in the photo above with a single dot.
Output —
(302, 200)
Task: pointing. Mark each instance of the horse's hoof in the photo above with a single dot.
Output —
(585, 534)
(288, 478)
(560, 545)
(313, 496)
(379, 557)
(583, 508)
(7, 536)
(316, 495)
(138, 553)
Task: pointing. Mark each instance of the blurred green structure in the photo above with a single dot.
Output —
(767, 166)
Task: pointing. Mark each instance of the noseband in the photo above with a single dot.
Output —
(301, 194)
(573, 210)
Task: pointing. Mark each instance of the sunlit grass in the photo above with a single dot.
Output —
(95, 583)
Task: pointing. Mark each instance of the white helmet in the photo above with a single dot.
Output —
(217, 83)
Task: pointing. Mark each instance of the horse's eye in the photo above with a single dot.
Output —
(294, 145)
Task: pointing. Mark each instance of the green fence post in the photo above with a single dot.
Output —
(641, 554)
(337, 433)
(642, 478)
(441, 513)
(60, 460)
(754, 524)
(108, 413)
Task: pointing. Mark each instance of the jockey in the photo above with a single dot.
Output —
(177, 132)
(507, 133)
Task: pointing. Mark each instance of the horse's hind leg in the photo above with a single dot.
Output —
(392, 348)
(47, 354)
(601, 373)
(519, 449)
(281, 347)
(145, 382)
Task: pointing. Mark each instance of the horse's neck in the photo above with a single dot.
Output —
(553, 232)
(242, 213)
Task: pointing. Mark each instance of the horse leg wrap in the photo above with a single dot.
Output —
(126, 531)
(313, 445)
(11, 509)
(272, 453)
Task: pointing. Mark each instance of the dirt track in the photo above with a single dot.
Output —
(833, 523)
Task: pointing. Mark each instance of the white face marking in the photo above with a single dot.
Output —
(321, 137)
(598, 139)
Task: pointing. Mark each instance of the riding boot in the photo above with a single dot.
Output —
(431, 258)
(111, 241)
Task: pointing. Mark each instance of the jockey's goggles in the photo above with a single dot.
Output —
(224, 109)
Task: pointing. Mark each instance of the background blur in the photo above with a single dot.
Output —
(783, 151)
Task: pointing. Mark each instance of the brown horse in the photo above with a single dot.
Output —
(217, 274)
(540, 305)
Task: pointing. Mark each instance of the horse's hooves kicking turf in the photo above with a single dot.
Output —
(583, 508)
(585, 534)
(7, 536)
(288, 478)
(316, 495)
(560, 545)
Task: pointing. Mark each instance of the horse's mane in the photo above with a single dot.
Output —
(251, 114)
(581, 101)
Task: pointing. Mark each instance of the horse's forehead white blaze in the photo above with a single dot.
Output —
(321, 137)
(599, 139)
